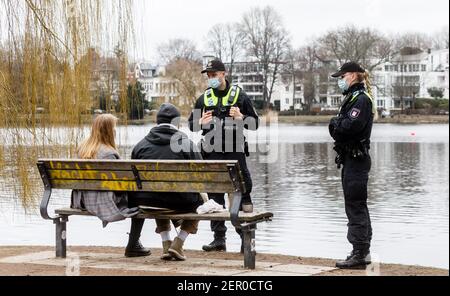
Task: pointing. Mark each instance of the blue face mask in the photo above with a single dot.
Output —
(214, 83)
(343, 85)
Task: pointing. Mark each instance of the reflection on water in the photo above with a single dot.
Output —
(408, 192)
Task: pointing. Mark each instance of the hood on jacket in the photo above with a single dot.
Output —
(162, 135)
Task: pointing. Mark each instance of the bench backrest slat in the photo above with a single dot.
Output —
(146, 186)
(120, 165)
(144, 176)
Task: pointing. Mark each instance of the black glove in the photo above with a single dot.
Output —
(333, 125)
(339, 160)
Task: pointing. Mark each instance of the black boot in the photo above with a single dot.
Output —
(218, 244)
(358, 259)
(134, 247)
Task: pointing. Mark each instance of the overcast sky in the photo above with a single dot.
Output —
(159, 20)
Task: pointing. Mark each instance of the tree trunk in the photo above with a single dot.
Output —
(265, 94)
(274, 76)
(293, 93)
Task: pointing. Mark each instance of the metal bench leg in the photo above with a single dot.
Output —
(61, 236)
(249, 247)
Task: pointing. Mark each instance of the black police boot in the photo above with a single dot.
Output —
(134, 247)
(358, 259)
(217, 245)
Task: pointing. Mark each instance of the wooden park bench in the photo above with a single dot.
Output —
(151, 176)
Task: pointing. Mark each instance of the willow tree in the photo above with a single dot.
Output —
(46, 80)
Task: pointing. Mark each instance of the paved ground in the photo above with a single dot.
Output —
(152, 264)
(110, 261)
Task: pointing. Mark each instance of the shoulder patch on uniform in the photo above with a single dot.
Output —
(355, 113)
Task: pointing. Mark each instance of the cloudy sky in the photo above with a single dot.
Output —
(159, 20)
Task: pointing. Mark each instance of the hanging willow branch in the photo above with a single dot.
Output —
(50, 55)
(45, 27)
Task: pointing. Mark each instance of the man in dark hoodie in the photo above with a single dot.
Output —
(157, 145)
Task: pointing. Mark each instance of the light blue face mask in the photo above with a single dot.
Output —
(343, 85)
(214, 83)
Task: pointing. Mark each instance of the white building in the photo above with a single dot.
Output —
(157, 87)
(248, 75)
(396, 83)
(411, 75)
(285, 95)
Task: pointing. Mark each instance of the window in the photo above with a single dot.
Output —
(378, 79)
(334, 101)
(424, 68)
(287, 88)
(287, 101)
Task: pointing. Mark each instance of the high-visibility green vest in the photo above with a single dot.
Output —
(357, 93)
(211, 100)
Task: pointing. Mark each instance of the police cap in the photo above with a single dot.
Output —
(348, 67)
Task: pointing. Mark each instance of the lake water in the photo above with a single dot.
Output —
(408, 199)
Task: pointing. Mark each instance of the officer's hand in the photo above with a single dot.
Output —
(235, 112)
(206, 118)
(332, 126)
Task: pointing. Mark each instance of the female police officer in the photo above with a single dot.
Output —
(351, 130)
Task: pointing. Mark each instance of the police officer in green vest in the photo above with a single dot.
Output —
(222, 113)
(351, 130)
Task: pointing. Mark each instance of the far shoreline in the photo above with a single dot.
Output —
(86, 120)
(402, 119)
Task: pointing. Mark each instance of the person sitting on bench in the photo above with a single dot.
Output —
(166, 141)
(108, 206)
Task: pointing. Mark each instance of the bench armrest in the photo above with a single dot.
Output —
(237, 194)
(235, 208)
(47, 193)
(44, 205)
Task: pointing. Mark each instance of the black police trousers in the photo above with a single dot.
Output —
(355, 175)
(218, 227)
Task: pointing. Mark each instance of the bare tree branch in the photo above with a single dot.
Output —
(267, 41)
(175, 49)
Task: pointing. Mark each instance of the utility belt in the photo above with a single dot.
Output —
(203, 144)
(356, 151)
